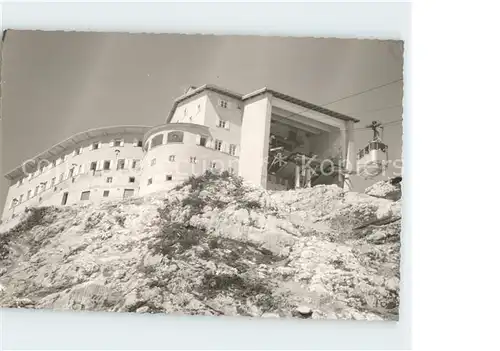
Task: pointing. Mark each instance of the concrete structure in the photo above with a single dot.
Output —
(261, 136)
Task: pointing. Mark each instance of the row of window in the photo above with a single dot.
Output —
(85, 195)
(76, 152)
(43, 186)
(169, 177)
(222, 103)
(108, 164)
(178, 137)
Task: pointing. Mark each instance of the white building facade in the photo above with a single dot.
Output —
(208, 128)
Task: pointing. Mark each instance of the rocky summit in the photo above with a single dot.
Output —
(212, 246)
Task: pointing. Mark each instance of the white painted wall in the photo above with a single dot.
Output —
(191, 110)
(181, 167)
(255, 140)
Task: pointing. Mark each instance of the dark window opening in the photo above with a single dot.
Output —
(85, 195)
(175, 137)
(105, 193)
(157, 140)
(131, 179)
(128, 193)
(121, 164)
(107, 165)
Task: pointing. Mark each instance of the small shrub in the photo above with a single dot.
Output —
(212, 284)
(249, 204)
(36, 216)
(93, 220)
(213, 243)
(176, 238)
(120, 220)
(271, 302)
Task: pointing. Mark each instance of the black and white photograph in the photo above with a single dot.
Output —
(201, 175)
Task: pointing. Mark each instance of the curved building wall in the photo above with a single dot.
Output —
(46, 181)
(171, 162)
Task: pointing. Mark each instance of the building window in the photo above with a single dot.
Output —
(105, 193)
(109, 179)
(171, 158)
(120, 164)
(223, 103)
(95, 146)
(53, 164)
(139, 143)
(150, 181)
(107, 165)
(131, 179)
(77, 151)
(13, 203)
(157, 140)
(117, 143)
(153, 161)
(36, 190)
(232, 149)
(203, 141)
(29, 194)
(230, 170)
(71, 171)
(93, 166)
(222, 124)
(134, 163)
(175, 137)
(128, 193)
(218, 145)
(213, 165)
(192, 159)
(61, 177)
(85, 195)
(168, 177)
(53, 182)
(21, 198)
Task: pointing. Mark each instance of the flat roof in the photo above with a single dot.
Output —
(305, 104)
(73, 140)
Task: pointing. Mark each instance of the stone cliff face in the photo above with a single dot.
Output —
(214, 246)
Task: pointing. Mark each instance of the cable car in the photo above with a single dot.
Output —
(373, 159)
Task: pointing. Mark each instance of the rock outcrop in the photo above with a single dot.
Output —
(214, 246)
(386, 189)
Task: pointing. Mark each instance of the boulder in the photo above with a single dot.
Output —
(386, 189)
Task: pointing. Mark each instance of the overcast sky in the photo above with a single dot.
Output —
(56, 84)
